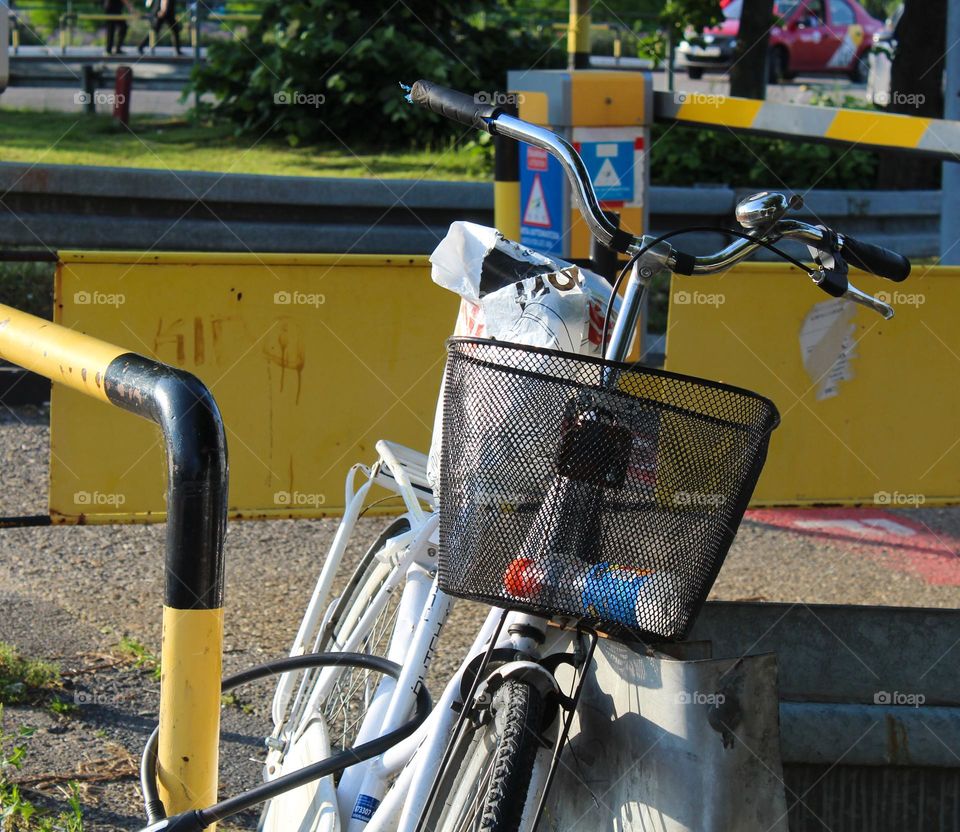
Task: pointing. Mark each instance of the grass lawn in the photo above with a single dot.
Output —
(53, 138)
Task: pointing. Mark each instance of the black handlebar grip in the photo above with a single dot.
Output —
(457, 106)
(876, 259)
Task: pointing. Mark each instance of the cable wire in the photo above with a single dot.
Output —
(693, 228)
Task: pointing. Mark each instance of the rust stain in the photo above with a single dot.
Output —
(288, 351)
(898, 744)
(169, 335)
(199, 348)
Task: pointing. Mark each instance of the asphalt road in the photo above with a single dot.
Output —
(799, 91)
(70, 594)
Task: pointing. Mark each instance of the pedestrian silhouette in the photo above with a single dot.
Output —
(165, 14)
(116, 29)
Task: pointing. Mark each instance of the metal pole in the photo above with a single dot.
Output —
(198, 15)
(197, 475)
(950, 189)
(578, 35)
(506, 183)
(89, 90)
(4, 45)
(670, 56)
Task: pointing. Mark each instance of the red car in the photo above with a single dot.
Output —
(831, 36)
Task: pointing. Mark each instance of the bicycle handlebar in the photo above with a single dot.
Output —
(875, 259)
(484, 116)
(456, 106)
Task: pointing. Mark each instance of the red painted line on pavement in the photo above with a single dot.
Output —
(914, 546)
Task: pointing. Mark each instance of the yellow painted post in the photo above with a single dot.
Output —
(506, 184)
(191, 667)
(191, 657)
(578, 35)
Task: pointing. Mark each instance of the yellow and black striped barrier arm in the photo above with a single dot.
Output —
(197, 475)
(870, 129)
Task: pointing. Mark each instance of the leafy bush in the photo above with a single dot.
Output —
(28, 287)
(683, 155)
(329, 70)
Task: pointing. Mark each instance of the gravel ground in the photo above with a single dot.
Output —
(70, 594)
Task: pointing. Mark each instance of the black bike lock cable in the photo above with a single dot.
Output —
(692, 229)
(202, 818)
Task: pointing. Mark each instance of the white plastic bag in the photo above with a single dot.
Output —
(511, 293)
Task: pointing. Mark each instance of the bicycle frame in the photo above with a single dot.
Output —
(423, 612)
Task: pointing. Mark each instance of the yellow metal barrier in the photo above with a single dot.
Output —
(312, 358)
(307, 387)
(869, 406)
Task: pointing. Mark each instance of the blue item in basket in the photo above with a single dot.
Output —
(616, 593)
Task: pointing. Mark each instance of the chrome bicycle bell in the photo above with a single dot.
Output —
(762, 210)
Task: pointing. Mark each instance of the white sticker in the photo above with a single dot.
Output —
(827, 345)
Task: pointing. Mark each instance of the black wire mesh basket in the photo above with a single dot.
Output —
(576, 487)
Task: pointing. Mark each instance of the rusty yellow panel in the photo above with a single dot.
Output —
(311, 359)
(601, 98)
(869, 406)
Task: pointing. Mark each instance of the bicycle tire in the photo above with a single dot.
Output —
(502, 750)
(351, 592)
(347, 609)
(360, 589)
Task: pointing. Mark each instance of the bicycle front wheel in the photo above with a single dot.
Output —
(485, 782)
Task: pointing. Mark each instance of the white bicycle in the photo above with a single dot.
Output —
(564, 504)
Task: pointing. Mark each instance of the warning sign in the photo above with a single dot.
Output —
(536, 211)
(611, 168)
(541, 201)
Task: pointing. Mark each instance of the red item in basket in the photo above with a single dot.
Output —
(523, 578)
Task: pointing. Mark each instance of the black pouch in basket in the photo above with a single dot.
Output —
(571, 486)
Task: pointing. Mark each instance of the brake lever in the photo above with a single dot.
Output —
(831, 277)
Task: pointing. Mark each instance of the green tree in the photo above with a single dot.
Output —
(330, 70)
